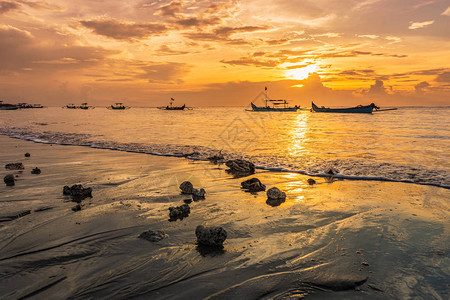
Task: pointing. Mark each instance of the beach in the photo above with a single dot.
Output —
(335, 239)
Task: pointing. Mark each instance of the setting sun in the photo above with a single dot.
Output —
(300, 73)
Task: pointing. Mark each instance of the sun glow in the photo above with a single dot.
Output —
(300, 73)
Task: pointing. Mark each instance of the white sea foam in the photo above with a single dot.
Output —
(353, 169)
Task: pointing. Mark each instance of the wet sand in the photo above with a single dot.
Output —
(336, 239)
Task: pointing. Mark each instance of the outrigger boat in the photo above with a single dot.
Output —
(85, 106)
(118, 106)
(27, 105)
(277, 105)
(361, 109)
(7, 106)
(82, 106)
(171, 107)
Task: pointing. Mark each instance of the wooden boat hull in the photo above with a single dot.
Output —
(8, 108)
(172, 107)
(118, 108)
(367, 109)
(258, 108)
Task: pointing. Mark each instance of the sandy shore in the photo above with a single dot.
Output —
(341, 239)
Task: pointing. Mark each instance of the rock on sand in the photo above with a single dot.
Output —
(210, 236)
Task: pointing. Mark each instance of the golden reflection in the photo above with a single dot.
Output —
(297, 145)
(295, 187)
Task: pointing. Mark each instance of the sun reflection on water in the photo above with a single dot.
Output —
(298, 137)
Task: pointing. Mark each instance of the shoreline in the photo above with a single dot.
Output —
(260, 167)
(339, 239)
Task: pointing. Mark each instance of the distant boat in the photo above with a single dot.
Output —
(70, 106)
(171, 107)
(82, 106)
(27, 105)
(274, 108)
(361, 109)
(277, 105)
(85, 106)
(118, 106)
(7, 106)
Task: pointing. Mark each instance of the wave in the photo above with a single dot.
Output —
(353, 169)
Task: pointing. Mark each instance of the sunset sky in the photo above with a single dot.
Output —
(214, 53)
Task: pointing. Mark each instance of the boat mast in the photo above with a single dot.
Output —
(267, 97)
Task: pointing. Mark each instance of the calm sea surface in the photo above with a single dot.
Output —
(409, 144)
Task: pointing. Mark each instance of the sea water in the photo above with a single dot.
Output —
(411, 144)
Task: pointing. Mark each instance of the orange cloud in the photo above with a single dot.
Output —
(124, 30)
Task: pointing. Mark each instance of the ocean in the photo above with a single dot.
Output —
(411, 144)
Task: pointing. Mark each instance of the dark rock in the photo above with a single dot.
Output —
(216, 158)
(240, 168)
(14, 166)
(78, 192)
(275, 197)
(331, 171)
(187, 201)
(153, 236)
(9, 180)
(186, 187)
(274, 202)
(253, 185)
(210, 236)
(27, 154)
(275, 193)
(77, 207)
(311, 181)
(198, 194)
(36, 171)
(179, 212)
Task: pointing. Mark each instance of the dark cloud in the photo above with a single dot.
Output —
(259, 53)
(196, 21)
(277, 42)
(354, 53)
(224, 34)
(227, 31)
(41, 5)
(22, 52)
(420, 87)
(355, 74)
(124, 30)
(6, 6)
(443, 77)
(166, 50)
(170, 10)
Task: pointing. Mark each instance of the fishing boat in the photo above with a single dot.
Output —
(361, 109)
(171, 107)
(7, 106)
(70, 106)
(85, 106)
(118, 106)
(277, 105)
(27, 105)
